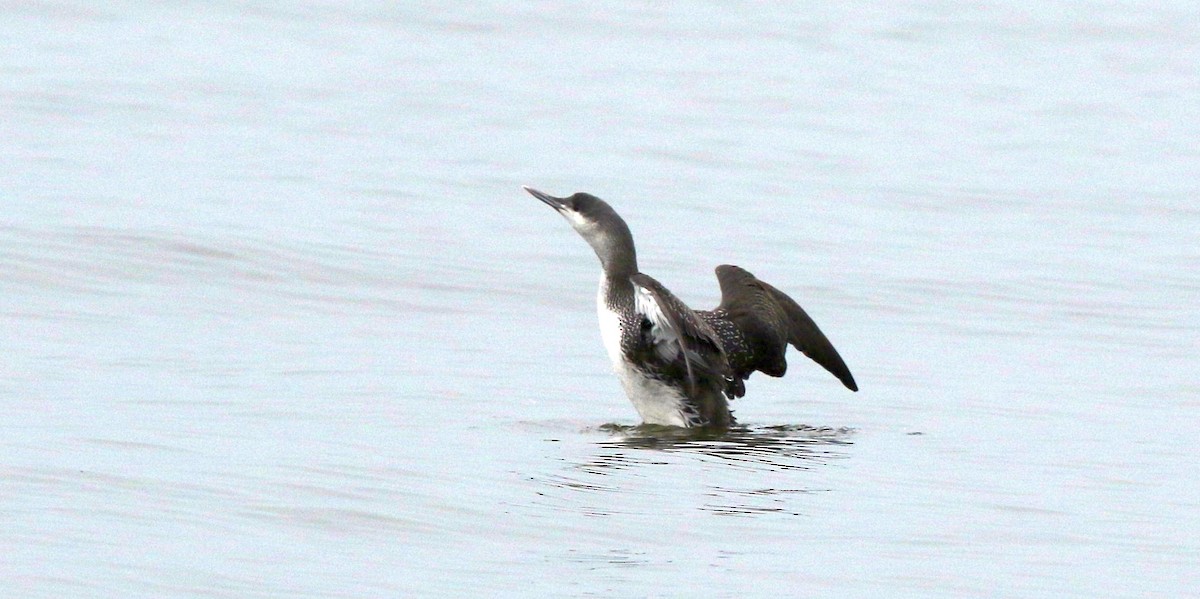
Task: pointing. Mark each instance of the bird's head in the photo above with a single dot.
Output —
(599, 225)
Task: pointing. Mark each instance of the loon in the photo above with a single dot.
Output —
(678, 366)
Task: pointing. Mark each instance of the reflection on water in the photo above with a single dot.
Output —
(783, 447)
(747, 470)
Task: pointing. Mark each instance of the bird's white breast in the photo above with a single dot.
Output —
(610, 324)
(655, 401)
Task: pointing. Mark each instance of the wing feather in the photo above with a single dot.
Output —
(678, 331)
(771, 320)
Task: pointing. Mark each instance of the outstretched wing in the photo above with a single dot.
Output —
(677, 331)
(769, 320)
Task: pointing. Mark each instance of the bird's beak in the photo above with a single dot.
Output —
(551, 201)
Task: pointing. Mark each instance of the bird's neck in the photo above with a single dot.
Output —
(614, 247)
(616, 290)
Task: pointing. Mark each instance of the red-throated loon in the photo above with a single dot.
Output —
(677, 365)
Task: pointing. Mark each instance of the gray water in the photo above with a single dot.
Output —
(280, 322)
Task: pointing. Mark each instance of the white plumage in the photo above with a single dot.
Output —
(666, 338)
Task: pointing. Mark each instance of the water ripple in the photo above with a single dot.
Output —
(296, 275)
(640, 470)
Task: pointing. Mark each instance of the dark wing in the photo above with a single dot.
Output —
(769, 320)
(674, 325)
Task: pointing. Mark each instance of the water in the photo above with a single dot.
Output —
(280, 321)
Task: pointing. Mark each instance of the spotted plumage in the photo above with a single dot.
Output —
(678, 366)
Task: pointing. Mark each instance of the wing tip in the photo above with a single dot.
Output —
(837, 367)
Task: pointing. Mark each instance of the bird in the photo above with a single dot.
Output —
(678, 366)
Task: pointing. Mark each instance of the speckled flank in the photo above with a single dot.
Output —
(732, 338)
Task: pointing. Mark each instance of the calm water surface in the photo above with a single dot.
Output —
(281, 323)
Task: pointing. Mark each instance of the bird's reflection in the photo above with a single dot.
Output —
(781, 447)
(744, 471)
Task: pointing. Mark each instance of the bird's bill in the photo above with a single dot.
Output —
(549, 200)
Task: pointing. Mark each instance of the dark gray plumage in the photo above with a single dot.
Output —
(757, 322)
